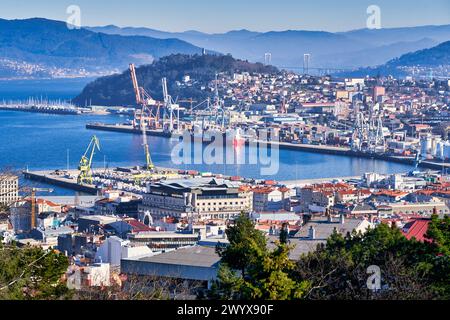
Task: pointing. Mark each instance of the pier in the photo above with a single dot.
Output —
(324, 149)
(68, 180)
(65, 180)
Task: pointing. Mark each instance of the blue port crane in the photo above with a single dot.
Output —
(85, 167)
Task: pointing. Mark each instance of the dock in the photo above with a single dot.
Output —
(67, 181)
(306, 182)
(126, 129)
(323, 149)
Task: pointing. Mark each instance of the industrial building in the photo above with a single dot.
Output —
(162, 241)
(202, 198)
(195, 263)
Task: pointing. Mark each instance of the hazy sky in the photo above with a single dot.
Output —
(224, 15)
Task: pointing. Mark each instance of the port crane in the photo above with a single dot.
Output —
(150, 169)
(171, 109)
(148, 159)
(145, 116)
(368, 134)
(190, 101)
(85, 166)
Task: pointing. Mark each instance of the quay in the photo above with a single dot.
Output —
(67, 180)
(323, 149)
(306, 182)
(46, 110)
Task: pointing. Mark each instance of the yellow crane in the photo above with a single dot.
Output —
(148, 159)
(149, 166)
(85, 166)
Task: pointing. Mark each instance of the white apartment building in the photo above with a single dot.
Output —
(9, 189)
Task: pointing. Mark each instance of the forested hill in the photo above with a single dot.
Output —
(42, 48)
(118, 89)
(433, 57)
(435, 61)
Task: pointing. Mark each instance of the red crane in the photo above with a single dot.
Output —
(143, 98)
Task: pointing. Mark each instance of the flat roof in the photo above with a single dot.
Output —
(163, 234)
(198, 256)
(301, 246)
(325, 229)
(101, 219)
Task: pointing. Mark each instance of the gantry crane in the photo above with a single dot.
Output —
(171, 109)
(368, 134)
(85, 166)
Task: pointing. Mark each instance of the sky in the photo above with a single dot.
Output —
(216, 16)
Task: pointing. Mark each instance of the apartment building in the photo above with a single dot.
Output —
(267, 199)
(9, 189)
(321, 195)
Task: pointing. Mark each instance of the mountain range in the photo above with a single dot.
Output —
(42, 48)
(46, 48)
(344, 50)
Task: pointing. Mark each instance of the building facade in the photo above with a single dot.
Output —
(197, 198)
(9, 189)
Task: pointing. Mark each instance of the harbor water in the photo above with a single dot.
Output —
(44, 142)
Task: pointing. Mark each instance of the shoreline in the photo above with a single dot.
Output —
(49, 177)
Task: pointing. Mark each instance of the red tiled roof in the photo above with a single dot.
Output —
(417, 230)
(391, 193)
(138, 226)
(355, 192)
(263, 190)
(44, 202)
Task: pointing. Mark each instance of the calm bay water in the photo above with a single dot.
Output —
(41, 142)
(64, 89)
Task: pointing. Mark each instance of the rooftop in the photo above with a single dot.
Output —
(324, 228)
(417, 229)
(198, 256)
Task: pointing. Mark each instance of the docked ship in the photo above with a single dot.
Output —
(235, 137)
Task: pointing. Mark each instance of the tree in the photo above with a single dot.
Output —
(31, 273)
(409, 269)
(439, 233)
(284, 234)
(249, 270)
(245, 241)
